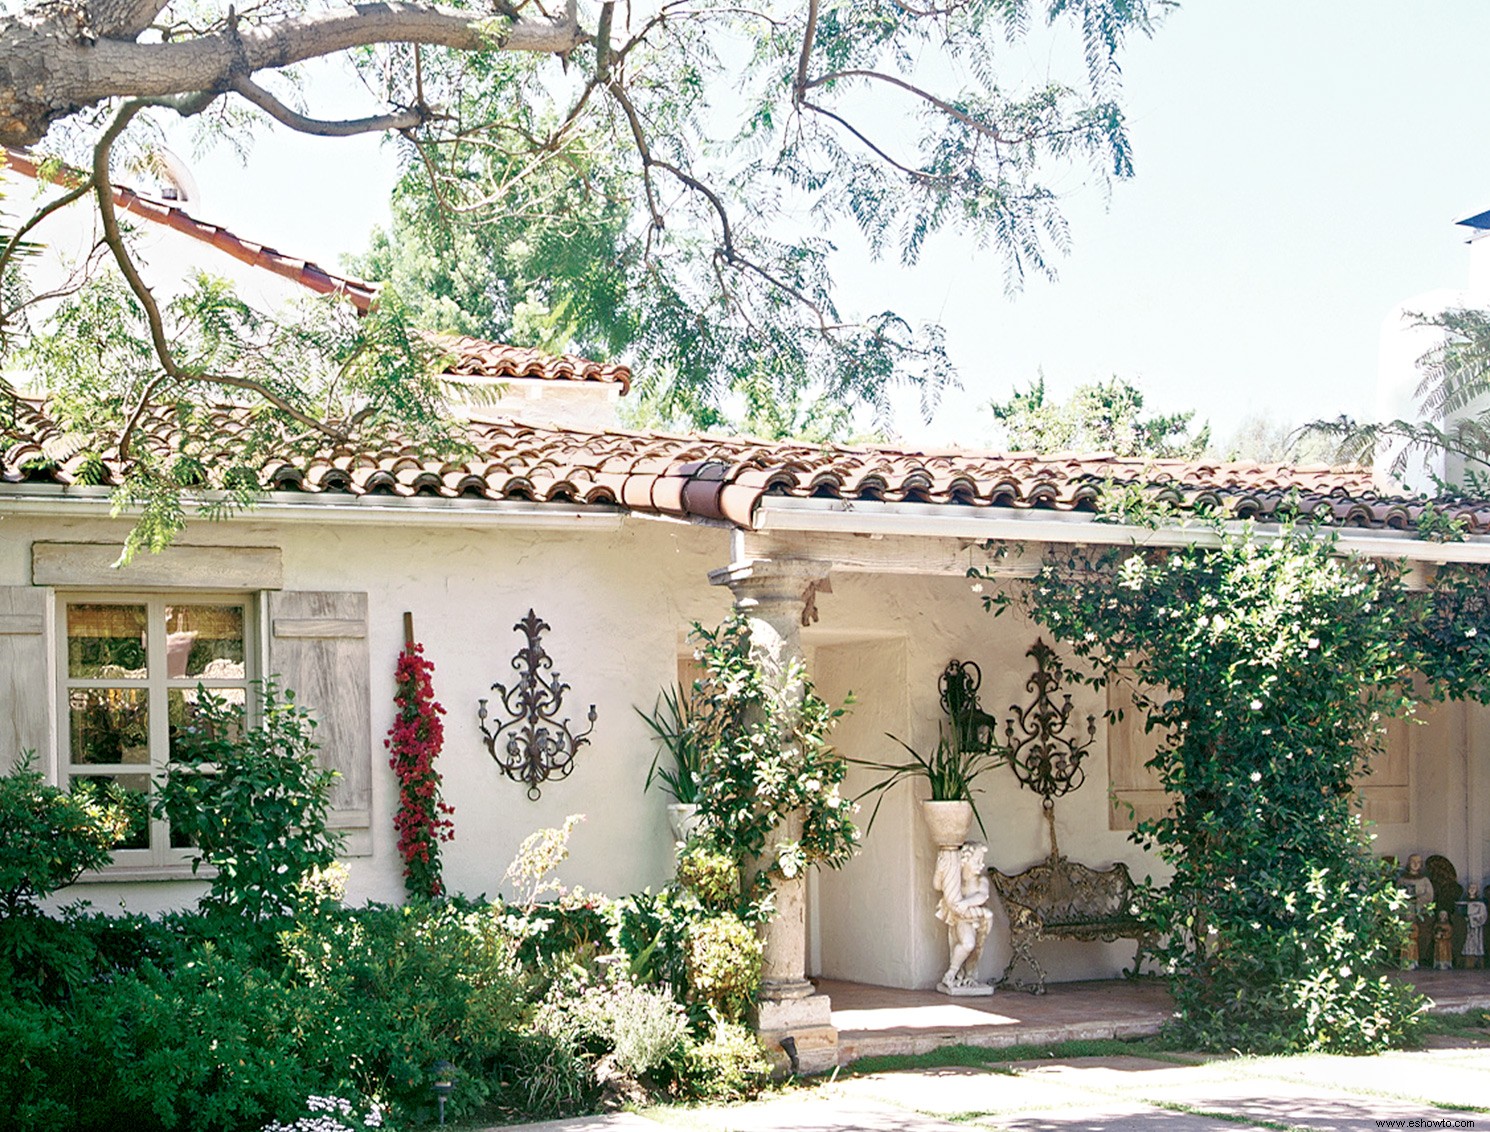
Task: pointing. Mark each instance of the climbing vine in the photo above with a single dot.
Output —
(1267, 667)
(423, 818)
(764, 756)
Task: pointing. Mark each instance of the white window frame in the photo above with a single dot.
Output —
(160, 860)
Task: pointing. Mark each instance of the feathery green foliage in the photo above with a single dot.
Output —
(1101, 416)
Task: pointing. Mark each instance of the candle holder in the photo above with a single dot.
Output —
(538, 745)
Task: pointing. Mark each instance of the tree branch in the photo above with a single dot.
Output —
(945, 107)
(320, 127)
(808, 35)
(914, 174)
(54, 74)
(117, 69)
(103, 193)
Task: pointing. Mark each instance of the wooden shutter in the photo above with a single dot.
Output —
(1134, 790)
(25, 687)
(318, 647)
(1384, 796)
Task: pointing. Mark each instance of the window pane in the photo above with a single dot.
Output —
(183, 705)
(204, 641)
(132, 791)
(109, 725)
(106, 642)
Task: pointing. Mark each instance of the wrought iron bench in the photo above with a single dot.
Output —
(1061, 899)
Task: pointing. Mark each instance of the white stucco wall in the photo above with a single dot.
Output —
(619, 599)
(1403, 343)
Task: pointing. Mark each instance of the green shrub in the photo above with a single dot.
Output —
(710, 874)
(542, 1076)
(723, 956)
(217, 1044)
(729, 1065)
(49, 837)
(51, 959)
(650, 931)
(641, 1030)
(400, 988)
(251, 800)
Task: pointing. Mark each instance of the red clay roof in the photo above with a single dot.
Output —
(725, 479)
(475, 357)
(471, 357)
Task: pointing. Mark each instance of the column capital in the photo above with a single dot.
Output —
(768, 578)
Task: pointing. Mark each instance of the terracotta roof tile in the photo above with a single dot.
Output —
(474, 357)
(725, 478)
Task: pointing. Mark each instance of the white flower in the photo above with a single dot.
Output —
(1313, 642)
(812, 785)
(1256, 776)
(1471, 632)
(1256, 705)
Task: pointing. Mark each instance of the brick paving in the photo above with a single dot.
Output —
(876, 1021)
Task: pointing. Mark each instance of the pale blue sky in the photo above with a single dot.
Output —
(1299, 167)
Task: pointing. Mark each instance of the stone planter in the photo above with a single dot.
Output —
(948, 822)
(683, 819)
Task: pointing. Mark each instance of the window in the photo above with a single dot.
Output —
(130, 670)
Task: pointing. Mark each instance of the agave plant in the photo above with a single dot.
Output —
(671, 722)
(950, 770)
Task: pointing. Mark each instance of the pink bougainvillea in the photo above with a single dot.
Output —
(423, 819)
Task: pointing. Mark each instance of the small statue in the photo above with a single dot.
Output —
(1409, 956)
(1417, 888)
(1475, 914)
(1443, 944)
(962, 880)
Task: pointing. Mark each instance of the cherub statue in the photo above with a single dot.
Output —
(962, 880)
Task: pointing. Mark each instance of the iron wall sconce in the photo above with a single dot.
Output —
(973, 728)
(538, 745)
(1044, 758)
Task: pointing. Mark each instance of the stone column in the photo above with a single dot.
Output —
(772, 595)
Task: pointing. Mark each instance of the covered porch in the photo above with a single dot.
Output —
(891, 1021)
(877, 601)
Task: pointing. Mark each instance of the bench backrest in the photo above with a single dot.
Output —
(1062, 891)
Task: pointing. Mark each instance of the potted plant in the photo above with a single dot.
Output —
(950, 771)
(671, 723)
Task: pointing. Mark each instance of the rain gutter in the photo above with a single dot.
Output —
(1003, 524)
